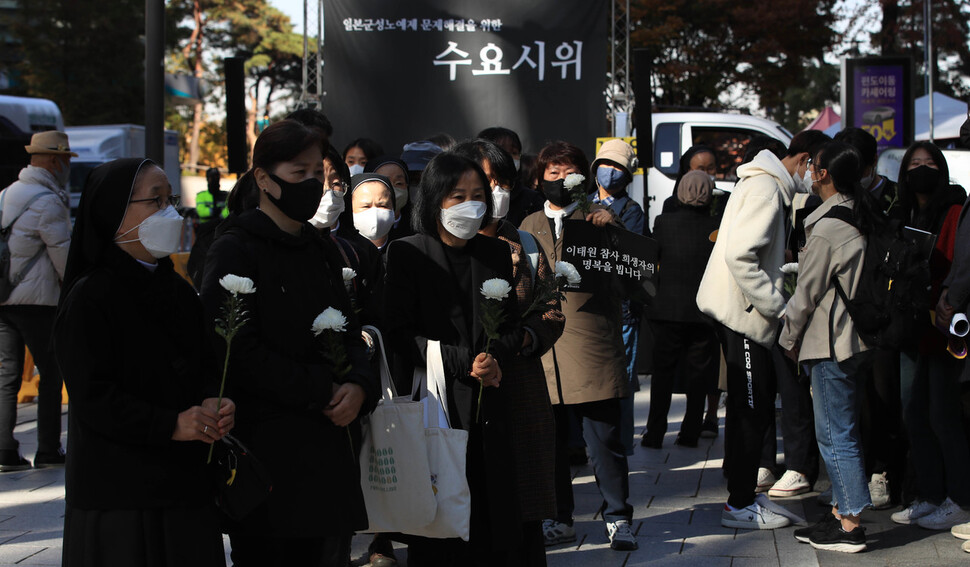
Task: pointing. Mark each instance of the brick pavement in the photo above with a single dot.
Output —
(677, 495)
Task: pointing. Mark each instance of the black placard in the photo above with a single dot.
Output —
(398, 72)
(607, 255)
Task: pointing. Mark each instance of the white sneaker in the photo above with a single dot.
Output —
(961, 531)
(966, 546)
(792, 483)
(766, 479)
(916, 510)
(753, 517)
(945, 517)
(879, 492)
(555, 532)
(621, 536)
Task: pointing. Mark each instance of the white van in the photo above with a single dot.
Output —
(31, 115)
(675, 132)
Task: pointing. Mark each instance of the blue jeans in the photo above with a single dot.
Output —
(930, 395)
(836, 388)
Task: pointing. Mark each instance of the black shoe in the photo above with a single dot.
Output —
(45, 460)
(651, 442)
(804, 534)
(709, 429)
(683, 442)
(834, 538)
(10, 461)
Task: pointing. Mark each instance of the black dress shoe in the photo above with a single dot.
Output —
(47, 460)
(10, 461)
(684, 442)
(651, 442)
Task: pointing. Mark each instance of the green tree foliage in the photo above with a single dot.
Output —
(770, 48)
(901, 33)
(86, 55)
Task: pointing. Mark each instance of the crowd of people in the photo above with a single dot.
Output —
(405, 243)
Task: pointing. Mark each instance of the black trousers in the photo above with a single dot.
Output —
(750, 411)
(255, 551)
(694, 347)
(797, 418)
(883, 441)
(29, 325)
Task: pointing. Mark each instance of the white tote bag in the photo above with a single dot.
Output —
(393, 460)
(447, 449)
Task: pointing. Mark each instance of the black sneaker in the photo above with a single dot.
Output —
(45, 460)
(684, 442)
(709, 429)
(803, 534)
(10, 461)
(651, 442)
(833, 538)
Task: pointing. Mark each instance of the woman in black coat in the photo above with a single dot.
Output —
(298, 414)
(432, 293)
(129, 337)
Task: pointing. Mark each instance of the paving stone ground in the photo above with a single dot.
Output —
(677, 495)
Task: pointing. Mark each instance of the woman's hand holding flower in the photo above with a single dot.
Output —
(345, 404)
(486, 370)
(227, 414)
(600, 217)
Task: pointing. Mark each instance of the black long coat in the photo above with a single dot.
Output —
(133, 351)
(422, 302)
(280, 379)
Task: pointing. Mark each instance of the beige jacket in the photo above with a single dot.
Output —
(741, 287)
(588, 362)
(833, 248)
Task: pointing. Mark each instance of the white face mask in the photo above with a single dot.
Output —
(500, 201)
(867, 180)
(331, 205)
(804, 184)
(463, 220)
(159, 234)
(400, 198)
(374, 223)
(356, 169)
(516, 162)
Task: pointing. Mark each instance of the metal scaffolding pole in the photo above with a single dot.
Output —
(312, 93)
(619, 91)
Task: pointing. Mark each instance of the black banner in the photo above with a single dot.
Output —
(607, 255)
(399, 72)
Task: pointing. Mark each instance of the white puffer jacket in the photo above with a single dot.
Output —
(742, 284)
(45, 225)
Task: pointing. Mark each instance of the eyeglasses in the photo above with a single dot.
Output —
(338, 186)
(160, 202)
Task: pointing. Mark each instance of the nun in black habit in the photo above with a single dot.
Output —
(130, 341)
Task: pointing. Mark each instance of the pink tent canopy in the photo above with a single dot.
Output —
(825, 119)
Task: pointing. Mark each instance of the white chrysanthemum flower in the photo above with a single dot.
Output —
(349, 274)
(330, 320)
(572, 180)
(237, 284)
(790, 268)
(568, 271)
(496, 288)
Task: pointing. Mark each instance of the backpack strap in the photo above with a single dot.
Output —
(531, 249)
(24, 210)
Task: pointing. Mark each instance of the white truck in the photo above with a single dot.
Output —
(675, 132)
(100, 144)
(20, 118)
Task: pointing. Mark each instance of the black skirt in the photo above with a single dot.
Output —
(155, 537)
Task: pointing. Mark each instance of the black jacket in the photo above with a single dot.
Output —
(685, 244)
(280, 380)
(132, 347)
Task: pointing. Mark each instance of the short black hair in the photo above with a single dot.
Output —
(810, 141)
(862, 141)
(499, 160)
(313, 118)
(498, 134)
(760, 143)
(441, 176)
(370, 148)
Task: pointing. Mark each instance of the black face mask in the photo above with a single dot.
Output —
(923, 179)
(299, 201)
(556, 192)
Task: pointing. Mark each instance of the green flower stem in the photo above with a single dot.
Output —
(481, 385)
(222, 388)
